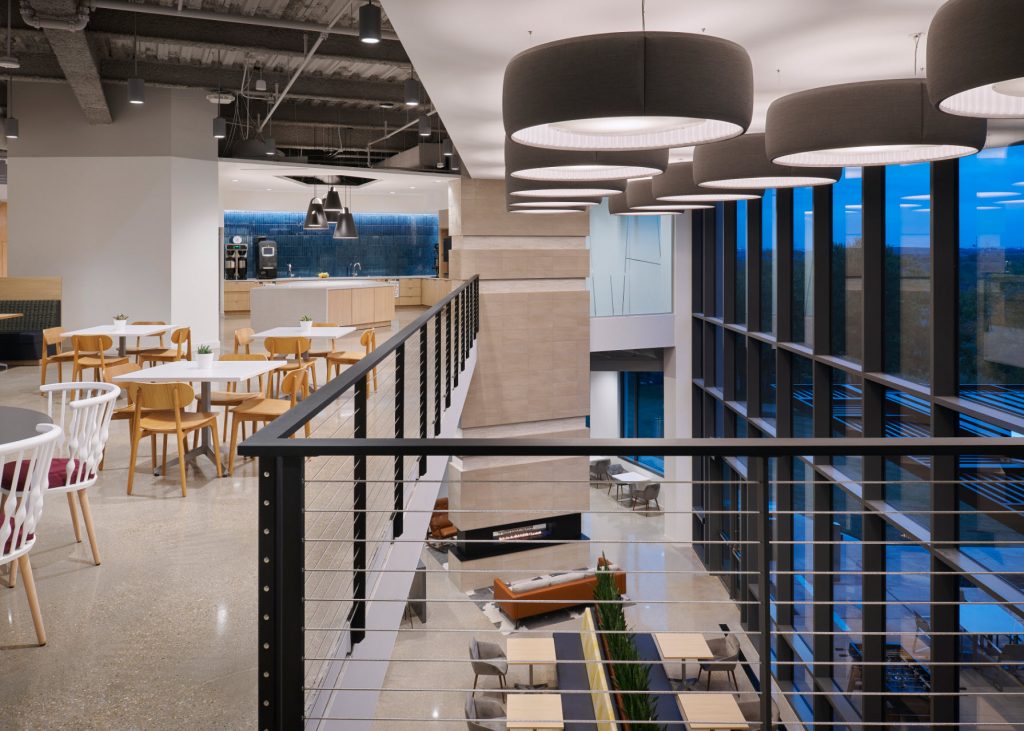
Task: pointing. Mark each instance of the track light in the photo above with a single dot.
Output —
(412, 93)
(424, 126)
(11, 128)
(369, 23)
(220, 128)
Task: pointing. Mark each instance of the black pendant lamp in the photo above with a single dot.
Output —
(411, 92)
(640, 197)
(332, 205)
(369, 23)
(742, 163)
(890, 122)
(534, 163)
(628, 91)
(677, 185)
(345, 228)
(975, 64)
(536, 189)
(316, 219)
(423, 126)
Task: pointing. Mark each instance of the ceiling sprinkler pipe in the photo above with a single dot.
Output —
(75, 22)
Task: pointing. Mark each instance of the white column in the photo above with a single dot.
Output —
(127, 214)
(604, 405)
(679, 387)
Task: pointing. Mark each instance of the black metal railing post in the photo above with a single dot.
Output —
(447, 358)
(396, 518)
(438, 371)
(464, 321)
(476, 306)
(764, 589)
(281, 599)
(359, 505)
(457, 340)
(423, 396)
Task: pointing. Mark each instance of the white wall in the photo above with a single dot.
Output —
(126, 214)
(604, 405)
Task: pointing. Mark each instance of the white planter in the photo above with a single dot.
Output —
(120, 325)
(204, 361)
(306, 327)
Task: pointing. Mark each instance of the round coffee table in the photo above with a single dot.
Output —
(17, 424)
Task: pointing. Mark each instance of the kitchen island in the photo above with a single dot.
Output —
(353, 302)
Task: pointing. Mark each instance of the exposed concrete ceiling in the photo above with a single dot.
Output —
(461, 48)
(348, 94)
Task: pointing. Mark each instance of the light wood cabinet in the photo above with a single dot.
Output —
(237, 295)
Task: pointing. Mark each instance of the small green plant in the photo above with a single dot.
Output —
(121, 317)
(627, 674)
(305, 318)
(204, 350)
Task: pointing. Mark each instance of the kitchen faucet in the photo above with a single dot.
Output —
(354, 269)
(290, 272)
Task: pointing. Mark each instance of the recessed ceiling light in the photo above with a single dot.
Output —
(412, 187)
(391, 192)
(234, 180)
(269, 189)
(1019, 201)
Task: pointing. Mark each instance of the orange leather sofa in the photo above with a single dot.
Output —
(570, 590)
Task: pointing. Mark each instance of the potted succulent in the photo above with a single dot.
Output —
(204, 357)
(120, 322)
(306, 323)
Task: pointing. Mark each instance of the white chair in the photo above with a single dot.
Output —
(83, 411)
(24, 466)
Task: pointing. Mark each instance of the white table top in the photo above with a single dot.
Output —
(132, 331)
(298, 332)
(230, 371)
(682, 646)
(631, 477)
(530, 651)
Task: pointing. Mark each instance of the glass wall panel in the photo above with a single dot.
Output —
(719, 358)
(992, 278)
(766, 354)
(630, 264)
(908, 486)
(769, 239)
(908, 643)
(847, 265)
(803, 397)
(803, 489)
(908, 271)
(847, 417)
(719, 259)
(741, 262)
(643, 412)
(740, 367)
(846, 587)
(803, 264)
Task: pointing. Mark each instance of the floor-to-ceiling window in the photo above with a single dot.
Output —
(880, 376)
(643, 412)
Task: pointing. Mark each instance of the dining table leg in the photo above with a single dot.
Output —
(205, 448)
(122, 345)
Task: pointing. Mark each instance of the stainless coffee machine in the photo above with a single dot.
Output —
(266, 251)
(236, 259)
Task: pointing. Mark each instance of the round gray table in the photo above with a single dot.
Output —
(17, 424)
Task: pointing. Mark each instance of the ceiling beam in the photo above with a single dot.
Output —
(338, 116)
(77, 60)
(246, 39)
(287, 134)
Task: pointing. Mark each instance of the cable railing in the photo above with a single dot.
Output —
(366, 616)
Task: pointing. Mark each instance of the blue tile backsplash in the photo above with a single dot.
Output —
(389, 244)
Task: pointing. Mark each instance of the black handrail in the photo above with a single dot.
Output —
(266, 439)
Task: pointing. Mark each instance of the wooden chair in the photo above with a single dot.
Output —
(263, 410)
(182, 340)
(244, 338)
(25, 466)
(318, 353)
(91, 352)
(160, 409)
(350, 357)
(126, 412)
(138, 349)
(293, 350)
(52, 338)
(232, 396)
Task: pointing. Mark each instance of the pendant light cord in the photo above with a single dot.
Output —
(8, 28)
(917, 42)
(135, 50)
(643, 15)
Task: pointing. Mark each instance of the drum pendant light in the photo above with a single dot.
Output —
(867, 123)
(975, 64)
(628, 91)
(677, 186)
(561, 189)
(513, 202)
(369, 23)
(640, 197)
(618, 206)
(534, 163)
(136, 86)
(743, 163)
(411, 92)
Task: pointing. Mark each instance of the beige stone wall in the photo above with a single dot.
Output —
(532, 377)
